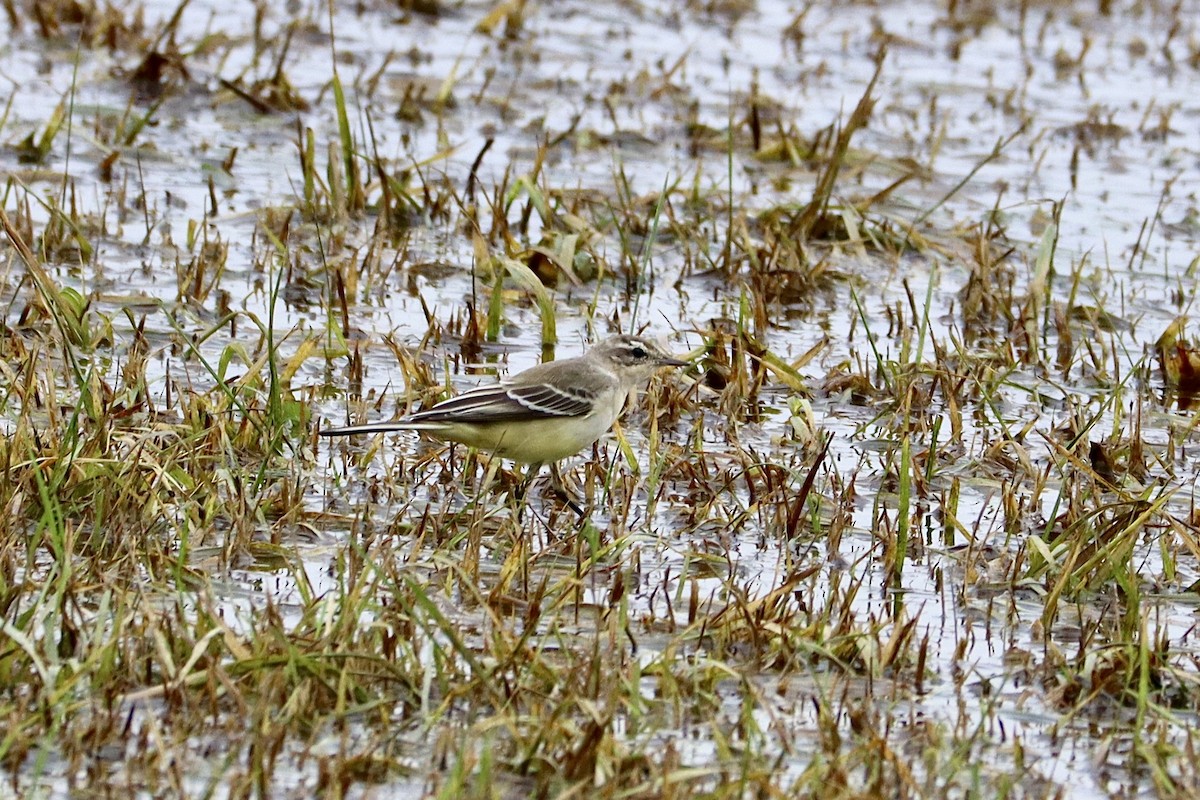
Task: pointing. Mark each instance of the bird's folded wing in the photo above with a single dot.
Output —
(506, 403)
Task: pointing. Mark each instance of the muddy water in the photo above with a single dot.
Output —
(1056, 104)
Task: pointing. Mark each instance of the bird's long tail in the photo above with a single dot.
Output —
(371, 427)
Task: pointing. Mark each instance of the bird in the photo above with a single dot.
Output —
(543, 414)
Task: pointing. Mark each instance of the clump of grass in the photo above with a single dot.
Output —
(36, 148)
(814, 220)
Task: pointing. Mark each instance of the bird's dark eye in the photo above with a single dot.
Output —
(638, 352)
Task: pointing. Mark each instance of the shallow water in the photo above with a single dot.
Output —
(1112, 138)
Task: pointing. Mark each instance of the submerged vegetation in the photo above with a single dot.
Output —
(919, 522)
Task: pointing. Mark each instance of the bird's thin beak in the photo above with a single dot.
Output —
(673, 362)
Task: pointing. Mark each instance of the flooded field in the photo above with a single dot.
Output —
(918, 519)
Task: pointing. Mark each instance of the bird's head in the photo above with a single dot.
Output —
(634, 356)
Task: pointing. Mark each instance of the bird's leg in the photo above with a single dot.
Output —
(556, 481)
